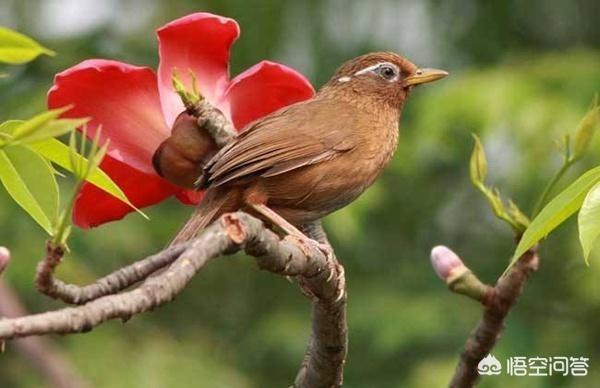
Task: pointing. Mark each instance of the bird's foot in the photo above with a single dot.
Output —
(336, 270)
(306, 244)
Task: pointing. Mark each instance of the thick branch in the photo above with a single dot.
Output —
(323, 364)
(321, 275)
(224, 237)
(166, 273)
(497, 305)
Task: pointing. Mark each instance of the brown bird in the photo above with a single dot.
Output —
(303, 161)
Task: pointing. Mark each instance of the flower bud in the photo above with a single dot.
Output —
(181, 157)
(459, 278)
(446, 264)
(478, 163)
(585, 131)
(4, 258)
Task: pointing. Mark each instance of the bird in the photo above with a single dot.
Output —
(304, 161)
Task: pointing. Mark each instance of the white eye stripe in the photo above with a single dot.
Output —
(370, 69)
(375, 67)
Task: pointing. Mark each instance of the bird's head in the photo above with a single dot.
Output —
(385, 77)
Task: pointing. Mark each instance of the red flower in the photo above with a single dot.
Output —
(136, 107)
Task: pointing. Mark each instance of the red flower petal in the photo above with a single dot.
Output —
(94, 206)
(189, 197)
(262, 89)
(120, 97)
(199, 42)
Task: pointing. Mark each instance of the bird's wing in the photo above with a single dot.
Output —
(296, 136)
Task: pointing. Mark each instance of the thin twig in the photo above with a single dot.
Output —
(107, 285)
(497, 305)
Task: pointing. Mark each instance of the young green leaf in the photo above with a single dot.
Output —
(189, 98)
(30, 181)
(41, 127)
(52, 129)
(478, 171)
(557, 211)
(8, 126)
(585, 130)
(60, 154)
(517, 215)
(16, 48)
(589, 221)
(478, 163)
(30, 127)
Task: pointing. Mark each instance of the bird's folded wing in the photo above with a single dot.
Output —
(291, 138)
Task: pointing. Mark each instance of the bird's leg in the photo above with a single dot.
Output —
(289, 229)
(278, 220)
(303, 240)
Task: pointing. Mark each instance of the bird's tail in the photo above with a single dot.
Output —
(214, 203)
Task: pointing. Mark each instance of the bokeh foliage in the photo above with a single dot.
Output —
(522, 74)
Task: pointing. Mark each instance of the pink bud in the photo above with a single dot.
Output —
(4, 258)
(445, 262)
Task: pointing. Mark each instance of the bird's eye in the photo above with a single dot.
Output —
(388, 72)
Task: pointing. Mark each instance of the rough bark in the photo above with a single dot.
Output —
(318, 273)
(497, 304)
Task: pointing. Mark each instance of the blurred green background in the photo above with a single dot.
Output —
(522, 74)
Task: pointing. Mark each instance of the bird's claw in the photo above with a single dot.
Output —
(336, 270)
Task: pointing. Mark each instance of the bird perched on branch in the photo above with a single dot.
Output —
(303, 161)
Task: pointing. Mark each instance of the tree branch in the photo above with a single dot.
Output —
(107, 285)
(213, 120)
(162, 276)
(321, 275)
(497, 302)
(325, 356)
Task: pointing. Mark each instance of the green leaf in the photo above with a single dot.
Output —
(9, 126)
(478, 163)
(478, 172)
(43, 126)
(16, 48)
(589, 221)
(59, 153)
(36, 123)
(52, 129)
(30, 181)
(557, 211)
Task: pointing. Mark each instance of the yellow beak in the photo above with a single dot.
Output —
(423, 76)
